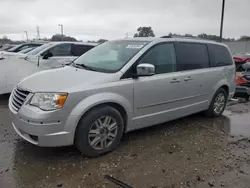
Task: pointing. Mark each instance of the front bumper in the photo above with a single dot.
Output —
(41, 131)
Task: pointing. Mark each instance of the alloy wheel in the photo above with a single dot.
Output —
(102, 132)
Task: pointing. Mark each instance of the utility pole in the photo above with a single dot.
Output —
(222, 20)
(38, 33)
(60, 25)
(27, 37)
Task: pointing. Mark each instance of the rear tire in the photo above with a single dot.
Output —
(99, 131)
(218, 103)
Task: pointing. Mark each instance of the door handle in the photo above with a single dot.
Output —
(174, 80)
(188, 78)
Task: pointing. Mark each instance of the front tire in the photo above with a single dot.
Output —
(218, 103)
(99, 131)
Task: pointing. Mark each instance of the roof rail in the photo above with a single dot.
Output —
(166, 36)
(184, 37)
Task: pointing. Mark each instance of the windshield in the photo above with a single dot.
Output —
(110, 56)
(39, 49)
(14, 48)
(6, 48)
(27, 50)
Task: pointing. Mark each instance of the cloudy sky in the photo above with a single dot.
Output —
(94, 19)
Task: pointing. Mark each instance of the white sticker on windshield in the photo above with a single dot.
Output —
(134, 46)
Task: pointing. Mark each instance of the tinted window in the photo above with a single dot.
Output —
(61, 50)
(40, 49)
(219, 55)
(78, 50)
(191, 56)
(162, 57)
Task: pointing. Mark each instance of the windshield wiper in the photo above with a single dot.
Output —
(69, 63)
(84, 66)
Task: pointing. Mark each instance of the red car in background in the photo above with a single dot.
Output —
(242, 63)
(240, 59)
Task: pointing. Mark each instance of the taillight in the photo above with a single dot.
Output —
(240, 80)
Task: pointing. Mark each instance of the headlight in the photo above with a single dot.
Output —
(48, 101)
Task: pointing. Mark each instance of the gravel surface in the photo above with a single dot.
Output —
(195, 151)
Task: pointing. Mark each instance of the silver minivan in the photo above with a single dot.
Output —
(120, 86)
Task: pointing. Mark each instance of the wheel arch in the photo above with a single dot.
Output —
(114, 105)
(226, 88)
(221, 84)
(94, 101)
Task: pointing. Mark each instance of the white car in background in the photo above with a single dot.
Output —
(15, 50)
(18, 48)
(21, 53)
(6, 47)
(51, 55)
(57, 54)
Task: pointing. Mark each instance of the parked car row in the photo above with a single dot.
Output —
(5, 55)
(117, 87)
(47, 56)
(6, 47)
(17, 48)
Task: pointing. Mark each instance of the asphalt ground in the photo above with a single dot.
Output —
(194, 151)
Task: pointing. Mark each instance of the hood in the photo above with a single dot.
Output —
(12, 54)
(7, 53)
(63, 79)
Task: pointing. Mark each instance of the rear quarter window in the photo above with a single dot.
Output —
(78, 50)
(191, 56)
(219, 55)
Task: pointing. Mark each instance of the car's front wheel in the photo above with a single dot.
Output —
(218, 103)
(99, 131)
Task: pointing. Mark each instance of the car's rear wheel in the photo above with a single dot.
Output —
(218, 103)
(99, 131)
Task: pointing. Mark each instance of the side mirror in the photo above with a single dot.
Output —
(47, 55)
(145, 69)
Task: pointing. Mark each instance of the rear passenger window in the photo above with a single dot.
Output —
(78, 50)
(191, 56)
(219, 55)
(61, 50)
(162, 57)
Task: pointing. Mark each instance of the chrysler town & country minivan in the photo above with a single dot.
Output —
(120, 86)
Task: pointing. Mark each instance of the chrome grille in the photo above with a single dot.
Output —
(18, 98)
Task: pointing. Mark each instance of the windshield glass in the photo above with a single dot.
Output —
(6, 48)
(14, 48)
(39, 49)
(26, 50)
(110, 56)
